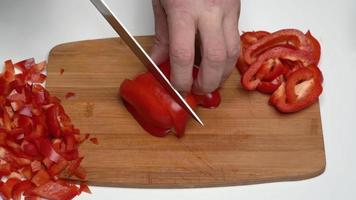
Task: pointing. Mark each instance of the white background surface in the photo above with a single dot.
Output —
(32, 28)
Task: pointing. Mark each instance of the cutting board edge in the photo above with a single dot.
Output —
(305, 176)
(59, 46)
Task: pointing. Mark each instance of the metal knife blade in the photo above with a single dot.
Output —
(142, 55)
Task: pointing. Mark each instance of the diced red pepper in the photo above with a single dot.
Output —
(94, 140)
(40, 178)
(37, 138)
(70, 95)
(84, 188)
(55, 191)
(6, 188)
(5, 169)
(57, 168)
(21, 187)
(48, 151)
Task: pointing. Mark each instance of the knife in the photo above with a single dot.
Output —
(143, 56)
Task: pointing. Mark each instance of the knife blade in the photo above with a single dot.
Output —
(143, 56)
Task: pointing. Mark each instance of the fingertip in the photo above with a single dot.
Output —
(200, 87)
(183, 84)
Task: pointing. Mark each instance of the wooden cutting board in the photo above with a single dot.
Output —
(244, 141)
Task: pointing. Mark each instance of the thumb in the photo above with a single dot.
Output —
(160, 50)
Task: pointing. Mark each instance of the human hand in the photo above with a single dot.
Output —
(176, 24)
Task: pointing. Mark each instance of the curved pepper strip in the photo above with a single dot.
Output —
(269, 87)
(301, 90)
(290, 37)
(303, 81)
(315, 45)
(248, 39)
(249, 80)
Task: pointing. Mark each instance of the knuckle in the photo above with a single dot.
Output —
(181, 84)
(216, 54)
(182, 55)
(210, 86)
(233, 51)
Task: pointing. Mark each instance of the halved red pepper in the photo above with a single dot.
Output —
(154, 109)
(152, 106)
(301, 90)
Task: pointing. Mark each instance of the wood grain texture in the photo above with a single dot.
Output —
(244, 141)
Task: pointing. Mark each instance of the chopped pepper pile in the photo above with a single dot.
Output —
(38, 142)
(284, 64)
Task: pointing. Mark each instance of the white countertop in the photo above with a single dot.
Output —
(32, 28)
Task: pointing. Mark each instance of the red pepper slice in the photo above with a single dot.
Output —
(270, 70)
(252, 37)
(302, 82)
(288, 37)
(315, 45)
(249, 79)
(301, 90)
(270, 87)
